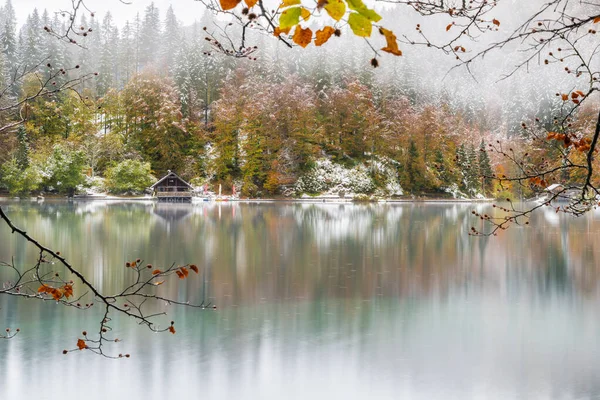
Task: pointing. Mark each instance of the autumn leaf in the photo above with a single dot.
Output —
(289, 17)
(289, 3)
(156, 272)
(68, 290)
(496, 22)
(158, 283)
(43, 289)
(360, 25)
(180, 274)
(596, 20)
(305, 14)
(56, 294)
(278, 31)
(449, 26)
(184, 271)
(336, 9)
(323, 35)
(321, 4)
(172, 329)
(251, 3)
(302, 37)
(229, 4)
(392, 44)
(194, 268)
(81, 344)
(565, 97)
(361, 8)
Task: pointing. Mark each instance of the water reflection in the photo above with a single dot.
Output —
(322, 300)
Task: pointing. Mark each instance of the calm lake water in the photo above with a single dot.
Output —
(319, 301)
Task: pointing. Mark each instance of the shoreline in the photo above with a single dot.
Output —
(308, 200)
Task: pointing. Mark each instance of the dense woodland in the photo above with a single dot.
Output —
(279, 122)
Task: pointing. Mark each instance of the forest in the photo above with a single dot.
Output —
(161, 97)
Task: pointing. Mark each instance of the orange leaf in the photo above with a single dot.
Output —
(322, 3)
(56, 294)
(179, 274)
(565, 97)
(574, 95)
(448, 27)
(278, 31)
(305, 14)
(43, 289)
(323, 35)
(302, 37)
(156, 272)
(158, 283)
(194, 268)
(184, 271)
(496, 22)
(575, 101)
(81, 344)
(229, 4)
(596, 20)
(68, 290)
(172, 329)
(251, 3)
(392, 44)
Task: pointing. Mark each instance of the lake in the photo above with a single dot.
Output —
(319, 301)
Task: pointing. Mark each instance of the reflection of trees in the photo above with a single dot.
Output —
(265, 252)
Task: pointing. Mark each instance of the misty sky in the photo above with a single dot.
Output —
(187, 10)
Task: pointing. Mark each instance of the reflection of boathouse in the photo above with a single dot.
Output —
(171, 188)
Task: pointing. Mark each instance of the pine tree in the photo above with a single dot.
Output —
(22, 153)
(485, 168)
(149, 34)
(8, 41)
(170, 39)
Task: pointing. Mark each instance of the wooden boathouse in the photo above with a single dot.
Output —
(172, 189)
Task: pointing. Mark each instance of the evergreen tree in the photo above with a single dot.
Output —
(8, 41)
(149, 34)
(170, 40)
(22, 154)
(485, 169)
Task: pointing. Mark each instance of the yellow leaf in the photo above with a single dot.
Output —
(323, 35)
(289, 17)
(496, 22)
(302, 37)
(229, 4)
(251, 3)
(392, 44)
(81, 344)
(288, 3)
(360, 25)
(361, 8)
(336, 9)
(305, 14)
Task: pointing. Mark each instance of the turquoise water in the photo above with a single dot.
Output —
(324, 301)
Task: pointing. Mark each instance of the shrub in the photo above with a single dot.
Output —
(19, 181)
(129, 176)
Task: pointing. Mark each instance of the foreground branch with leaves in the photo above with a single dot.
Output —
(49, 280)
